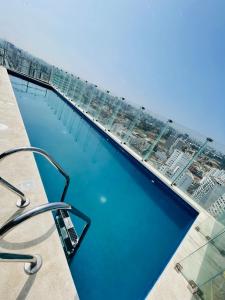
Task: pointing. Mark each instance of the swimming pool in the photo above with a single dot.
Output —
(136, 223)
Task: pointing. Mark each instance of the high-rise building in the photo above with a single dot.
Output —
(217, 173)
(210, 189)
(175, 163)
(218, 207)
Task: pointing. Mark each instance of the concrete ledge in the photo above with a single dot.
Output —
(35, 236)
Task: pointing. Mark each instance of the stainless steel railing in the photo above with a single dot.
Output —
(35, 260)
(23, 200)
(12, 223)
(33, 263)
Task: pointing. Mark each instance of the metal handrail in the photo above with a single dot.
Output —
(33, 263)
(11, 224)
(24, 202)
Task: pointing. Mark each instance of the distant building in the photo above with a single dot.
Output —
(179, 144)
(119, 128)
(217, 173)
(139, 143)
(184, 181)
(160, 155)
(209, 191)
(170, 140)
(175, 163)
(218, 207)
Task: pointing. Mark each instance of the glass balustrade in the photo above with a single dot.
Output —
(91, 107)
(24, 63)
(71, 85)
(201, 267)
(214, 289)
(193, 163)
(105, 107)
(94, 102)
(126, 119)
(211, 226)
(87, 97)
(116, 106)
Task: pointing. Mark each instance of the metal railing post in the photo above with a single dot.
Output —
(47, 156)
(23, 201)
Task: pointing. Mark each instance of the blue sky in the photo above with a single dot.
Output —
(166, 55)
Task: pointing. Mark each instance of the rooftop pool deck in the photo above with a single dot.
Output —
(137, 221)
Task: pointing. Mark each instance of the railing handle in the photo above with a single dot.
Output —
(32, 264)
(24, 202)
(11, 224)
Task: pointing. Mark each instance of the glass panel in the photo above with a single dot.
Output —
(87, 96)
(212, 187)
(126, 119)
(118, 102)
(65, 83)
(136, 137)
(206, 262)
(178, 154)
(71, 87)
(100, 103)
(168, 137)
(211, 227)
(108, 110)
(20, 61)
(208, 187)
(78, 90)
(93, 105)
(91, 95)
(81, 97)
(215, 288)
(57, 78)
(2, 52)
(146, 129)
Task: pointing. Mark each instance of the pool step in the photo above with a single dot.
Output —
(67, 233)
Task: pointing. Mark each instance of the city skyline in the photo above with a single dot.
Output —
(192, 165)
(138, 52)
(14, 53)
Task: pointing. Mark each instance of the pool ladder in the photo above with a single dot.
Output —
(34, 262)
(23, 201)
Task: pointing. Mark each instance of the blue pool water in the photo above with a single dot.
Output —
(136, 224)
